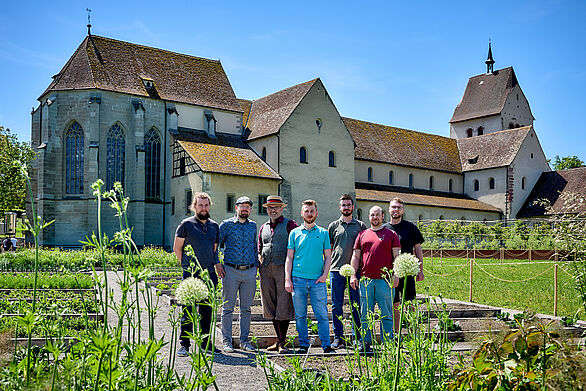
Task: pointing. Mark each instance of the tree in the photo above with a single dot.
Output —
(12, 182)
(565, 162)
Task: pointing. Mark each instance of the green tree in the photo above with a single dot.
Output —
(12, 182)
(565, 162)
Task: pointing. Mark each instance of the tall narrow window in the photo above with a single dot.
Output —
(302, 155)
(152, 169)
(480, 130)
(369, 174)
(262, 199)
(188, 201)
(523, 183)
(476, 185)
(450, 185)
(491, 183)
(264, 153)
(359, 214)
(332, 159)
(74, 159)
(410, 180)
(420, 218)
(391, 177)
(469, 132)
(115, 156)
(230, 203)
(431, 182)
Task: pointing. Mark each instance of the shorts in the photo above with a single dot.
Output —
(409, 290)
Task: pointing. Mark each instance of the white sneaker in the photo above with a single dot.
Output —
(247, 346)
(227, 348)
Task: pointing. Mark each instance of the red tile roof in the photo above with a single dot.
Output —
(119, 66)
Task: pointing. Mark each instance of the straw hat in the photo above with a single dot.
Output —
(274, 200)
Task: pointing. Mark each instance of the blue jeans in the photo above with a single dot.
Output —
(338, 285)
(318, 294)
(376, 291)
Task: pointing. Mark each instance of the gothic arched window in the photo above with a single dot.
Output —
(491, 183)
(332, 159)
(152, 170)
(115, 156)
(74, 159)
(476, 185)
(391, 177)
(369, 174)
(410, 180)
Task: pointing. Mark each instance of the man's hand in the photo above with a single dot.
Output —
(220, 270)
(354, 282)
(288, 285)
(321, 278)
(420, 276)
(395, 281)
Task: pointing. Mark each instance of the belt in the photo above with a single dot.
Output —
(240, 267)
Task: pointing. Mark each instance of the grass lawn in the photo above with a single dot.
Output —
(450, 279)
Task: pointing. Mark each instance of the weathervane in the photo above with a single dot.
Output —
(89, 23)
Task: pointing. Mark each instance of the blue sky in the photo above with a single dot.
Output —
(393, 63)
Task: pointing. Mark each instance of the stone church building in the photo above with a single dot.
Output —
(167, 125)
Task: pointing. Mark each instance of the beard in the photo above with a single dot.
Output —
(243, 214)
(346, 213)
(202, 215)
(309, 220)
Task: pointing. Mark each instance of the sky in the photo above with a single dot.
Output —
(398, 63)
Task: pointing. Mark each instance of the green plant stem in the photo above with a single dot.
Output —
(398, 357)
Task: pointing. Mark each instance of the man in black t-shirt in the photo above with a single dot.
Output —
(411, 239)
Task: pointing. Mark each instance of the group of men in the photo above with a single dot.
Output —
(294, 262)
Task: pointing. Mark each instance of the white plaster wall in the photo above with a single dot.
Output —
(271, 143)
(516, 109)
(490, 124)
(192, 117)
(495, 197)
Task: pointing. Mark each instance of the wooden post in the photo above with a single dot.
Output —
(470, 292)
(529, 256)
(555, 254)
(441, 257)
(555, 290)
(502, 254)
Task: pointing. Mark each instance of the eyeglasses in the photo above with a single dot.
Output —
(274, 207)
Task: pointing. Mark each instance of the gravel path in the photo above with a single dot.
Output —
(234, 371)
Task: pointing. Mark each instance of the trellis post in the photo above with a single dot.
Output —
(555, 290)
(470, 292)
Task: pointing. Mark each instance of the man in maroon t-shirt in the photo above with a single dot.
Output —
(374, 250)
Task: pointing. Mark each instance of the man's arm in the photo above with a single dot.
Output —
(327, 264)
(355, 262)
(419, 254)
(178, 247)
(288, 270)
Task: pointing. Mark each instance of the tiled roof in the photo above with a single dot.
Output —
(491, 150)
(119, 66)
(268, 114)
(224, 154)
(485, 95)
(563, 189)
(388, 144)
(245, 105)
(424, 200)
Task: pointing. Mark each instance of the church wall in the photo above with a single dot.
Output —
(315, 179)
(380, 175)
(516, 110)
(192, 117)
(490, 124)
(494, 197)
(271, 143)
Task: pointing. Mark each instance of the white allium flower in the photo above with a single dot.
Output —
(191, 291)
(347, 271)
(406, 265)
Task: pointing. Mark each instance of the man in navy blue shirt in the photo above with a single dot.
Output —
(238, 237)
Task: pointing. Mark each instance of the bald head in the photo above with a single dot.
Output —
(375, 216)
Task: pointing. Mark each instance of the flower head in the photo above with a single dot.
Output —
(347, 271)
(191, 291)
(406, 265)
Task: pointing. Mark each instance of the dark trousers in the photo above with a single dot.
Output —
(204, 311)
(338, 286)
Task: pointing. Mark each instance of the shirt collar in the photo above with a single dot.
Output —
(353, 221)
(279, 221)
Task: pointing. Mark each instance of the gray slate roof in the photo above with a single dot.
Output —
(485, 95)
(112, 65)
(492, 150)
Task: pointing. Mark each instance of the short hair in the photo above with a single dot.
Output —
(197, 196)
(309, 203)
(397, 199)
(347, 197)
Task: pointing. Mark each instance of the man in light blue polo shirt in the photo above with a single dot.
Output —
(306, 269)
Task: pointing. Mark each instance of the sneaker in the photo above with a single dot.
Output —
(227, 347)
(302, 350)
(337, 343)
(183, 351)
(210, 349)
(274, 347)
(247, 347)
(329, 349)
(282, 349)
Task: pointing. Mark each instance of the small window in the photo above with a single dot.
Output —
(210, 122)
(469, 132)
(318, 123)
(491, 183)
(230, 203)
(370, 174)
(476, 185)
(332, 159)
(262, 199)
(431, 182)
(302, 155)
(511, 125)
(531, 155)
(410, 180)
(172, 206)
(517, 125)
(441, 217)
(390, 177)
(480, 131)
(182, 165)
(450, 185)
(187, 201)
(420, 218)
(523, 183)
(264, 154)
(359, 213)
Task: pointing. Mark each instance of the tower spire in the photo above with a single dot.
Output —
(489, 61)
(89, 23)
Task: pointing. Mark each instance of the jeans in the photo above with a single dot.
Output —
(376, 291)
(338, 285)
(241, 283)
(204, 311)
(318, 294)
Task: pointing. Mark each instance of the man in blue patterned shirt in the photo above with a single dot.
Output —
(238, 237)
